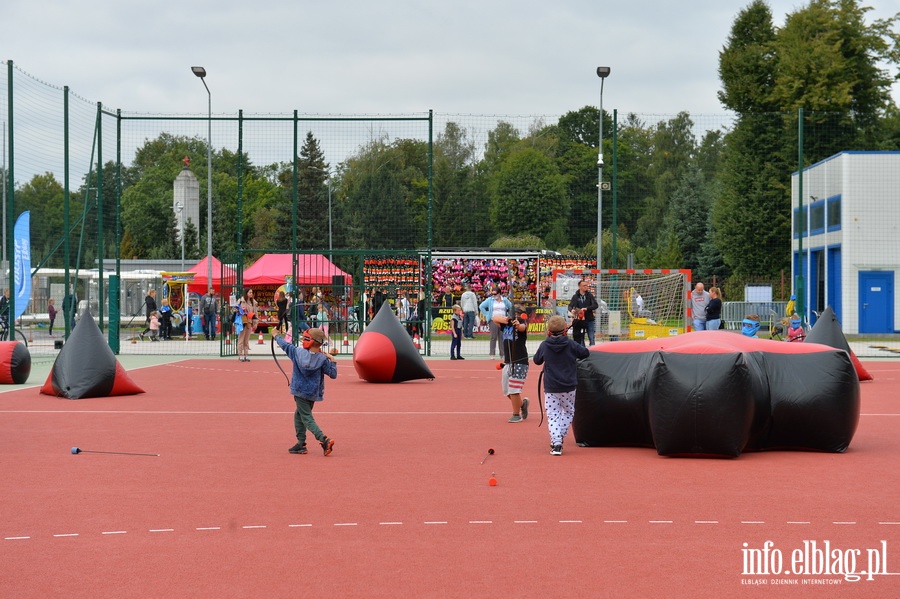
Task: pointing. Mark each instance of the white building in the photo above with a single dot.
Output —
(849, 253)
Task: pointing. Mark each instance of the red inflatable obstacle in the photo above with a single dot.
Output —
(15, 363)
(716, 393)
(86, 367)
(385, 353)
(827, 331)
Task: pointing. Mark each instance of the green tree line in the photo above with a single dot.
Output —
(717, 202)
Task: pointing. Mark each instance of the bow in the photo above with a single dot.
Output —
(541, 396)
(275, 357)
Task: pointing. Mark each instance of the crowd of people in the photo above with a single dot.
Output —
(507, 323)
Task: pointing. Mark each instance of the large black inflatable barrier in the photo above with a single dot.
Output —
(716, 393)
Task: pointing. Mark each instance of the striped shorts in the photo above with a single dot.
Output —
(513, 378)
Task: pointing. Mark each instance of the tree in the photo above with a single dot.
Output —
(384, 195)
(191, 241)
(826, 60)
(456, 207)
(312, 195)
(578, 154)
(828, 63)
(750, 197)
(673, 152)
(530, 195)
(687, 222)
(43, 197)
(748, 62)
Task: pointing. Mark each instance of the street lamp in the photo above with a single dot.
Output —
(328, 178)
(179, 208)
(201, 72)
(329, 218)
(603, 73)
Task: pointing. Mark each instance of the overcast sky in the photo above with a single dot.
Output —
(490, 57)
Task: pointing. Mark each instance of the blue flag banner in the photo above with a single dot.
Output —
(22, 267)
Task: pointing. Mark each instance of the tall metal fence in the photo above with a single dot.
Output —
(485, 191)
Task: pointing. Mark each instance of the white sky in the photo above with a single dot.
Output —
(353, 57)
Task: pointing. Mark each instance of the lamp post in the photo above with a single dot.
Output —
(201, 72)
(329, 218)
(179, 208)
(603, 73)
(328, 178)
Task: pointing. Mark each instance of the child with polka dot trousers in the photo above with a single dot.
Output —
(559, 355)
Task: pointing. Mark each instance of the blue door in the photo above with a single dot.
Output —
(876, 301)
(834, 282)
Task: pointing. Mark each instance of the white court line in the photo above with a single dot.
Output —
(248, 413)
(444, 522)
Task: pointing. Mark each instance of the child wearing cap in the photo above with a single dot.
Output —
(559, 355)
(307, 385)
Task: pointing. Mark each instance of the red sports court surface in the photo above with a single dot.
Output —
(403, 506)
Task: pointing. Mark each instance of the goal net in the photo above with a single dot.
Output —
(634, 304)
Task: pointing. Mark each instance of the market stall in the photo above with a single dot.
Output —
(200, 283)
(183, 303)
(315, 274)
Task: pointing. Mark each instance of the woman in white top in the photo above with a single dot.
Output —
(495, 305)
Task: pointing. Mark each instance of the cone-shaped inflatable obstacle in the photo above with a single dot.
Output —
(386, 354)
(827, 331)
(15, 362)
(86, 367)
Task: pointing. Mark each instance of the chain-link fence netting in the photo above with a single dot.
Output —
(487, 198)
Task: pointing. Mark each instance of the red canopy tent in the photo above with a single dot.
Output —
(312, 269)
(201, 284)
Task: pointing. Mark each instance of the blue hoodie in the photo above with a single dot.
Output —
(561, 354)
(310, 368)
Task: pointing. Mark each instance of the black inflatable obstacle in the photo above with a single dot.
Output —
(716, 393)
(384, 353)
(87, 367)
(828, 331)
(15, 362)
